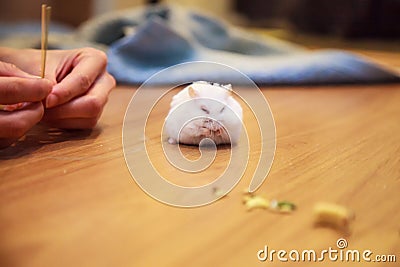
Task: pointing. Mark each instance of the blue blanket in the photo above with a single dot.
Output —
(163, 36)
(142, 41)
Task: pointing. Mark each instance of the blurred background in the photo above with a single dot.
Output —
(345, 19)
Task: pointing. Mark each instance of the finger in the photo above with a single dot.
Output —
(86, 106)
(5, 142)
(15, 89)
(10, 70)
(85, 70)
(15, 124)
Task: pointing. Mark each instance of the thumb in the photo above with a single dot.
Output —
(10, 70)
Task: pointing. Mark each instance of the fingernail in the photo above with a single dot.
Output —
(51, 101)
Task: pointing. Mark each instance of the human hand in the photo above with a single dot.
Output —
(17, 86)
(81, 89)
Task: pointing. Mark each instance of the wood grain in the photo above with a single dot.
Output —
(68, 199)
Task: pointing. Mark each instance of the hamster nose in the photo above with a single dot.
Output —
(211, 124)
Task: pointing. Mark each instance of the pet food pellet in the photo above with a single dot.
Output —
(333, 215)
(256, 202)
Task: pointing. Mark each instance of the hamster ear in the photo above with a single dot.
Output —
(192, 92)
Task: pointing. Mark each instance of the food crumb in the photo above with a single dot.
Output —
(218, 192)
(282, 206)
(253, 202)
(332, 215)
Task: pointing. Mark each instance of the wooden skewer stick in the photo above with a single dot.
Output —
(46, 10)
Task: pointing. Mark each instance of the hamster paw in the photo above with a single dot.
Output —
(172, 141)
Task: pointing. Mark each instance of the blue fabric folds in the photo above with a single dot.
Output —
(163, 36)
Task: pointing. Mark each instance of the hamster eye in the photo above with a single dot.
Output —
(222, 109)
(203, 108)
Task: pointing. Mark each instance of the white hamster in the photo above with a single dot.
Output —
(204, 110)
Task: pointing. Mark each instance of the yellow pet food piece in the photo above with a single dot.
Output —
(253, 202)
(333, 215)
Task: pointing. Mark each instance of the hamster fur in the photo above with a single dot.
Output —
(204, 110)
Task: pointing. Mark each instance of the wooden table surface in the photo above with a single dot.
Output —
(68, 199)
